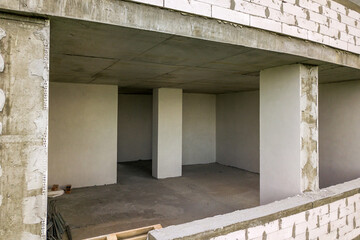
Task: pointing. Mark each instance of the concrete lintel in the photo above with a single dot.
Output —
(150, 18)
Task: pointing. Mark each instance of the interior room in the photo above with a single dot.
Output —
(118, 159)
(111, 101)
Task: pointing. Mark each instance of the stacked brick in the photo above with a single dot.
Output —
(322, 21)
(336, 220)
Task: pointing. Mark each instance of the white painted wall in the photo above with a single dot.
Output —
(167, 133)
(82, 134)
(134, 127)
(339, 132)
(279, 133)
(199, 128)
(237, 133)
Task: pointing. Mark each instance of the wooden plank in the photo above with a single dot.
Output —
(133, 234)
(97, 238)
(139, 237)
(111, 237)
(157, 226)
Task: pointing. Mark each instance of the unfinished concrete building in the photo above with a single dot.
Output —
(246, 111)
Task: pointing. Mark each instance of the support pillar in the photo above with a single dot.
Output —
(24, 75)
(289, 156)
(167, 133)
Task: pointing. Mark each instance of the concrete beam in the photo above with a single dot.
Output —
(289, 156)
(24, 46)
(152, 18)
(167, 133)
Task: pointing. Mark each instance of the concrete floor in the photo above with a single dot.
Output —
(140, 200)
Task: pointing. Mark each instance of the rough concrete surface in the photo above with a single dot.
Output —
(139, 200)
(140, 16)
(114, 55)
(309, 133)
(24, 46)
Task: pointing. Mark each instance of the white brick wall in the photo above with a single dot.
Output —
(323, 21)
(331, 213)
(337, 220)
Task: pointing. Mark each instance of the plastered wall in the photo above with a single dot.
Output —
(134, 127)
(237, 130)
(324, 21)
(339, 132)
(199, 128)
(167, 132)
(199, 133)
(82, 134)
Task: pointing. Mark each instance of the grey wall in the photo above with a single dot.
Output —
(199, 128)
(82, 134)
(134, 127)
(24, 76)
(237, 130)
(339, 132)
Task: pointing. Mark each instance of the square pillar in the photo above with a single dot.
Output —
(24, 76)
(289, 156)
(167, 133)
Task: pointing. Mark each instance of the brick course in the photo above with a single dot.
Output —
(322, 21)
(336, 220)
(331, 213)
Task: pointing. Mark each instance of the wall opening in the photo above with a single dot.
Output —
(134, 135)
(339, 134)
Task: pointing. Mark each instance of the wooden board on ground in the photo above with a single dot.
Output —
(133, 234)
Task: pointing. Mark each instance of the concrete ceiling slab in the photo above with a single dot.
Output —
(253, 61)
(138, 60)
(205, 75)
(332, 74)
(132, 70)
(173, 52)
(80, 69)
(80, 38)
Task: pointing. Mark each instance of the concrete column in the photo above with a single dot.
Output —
(167, 133)
(288, 131)
(24, 75)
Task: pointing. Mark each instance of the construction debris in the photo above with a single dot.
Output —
(68, 189)
(53, 194)
(56, 225)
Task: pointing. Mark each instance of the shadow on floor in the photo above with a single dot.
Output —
(139, 200)
(132, 171)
